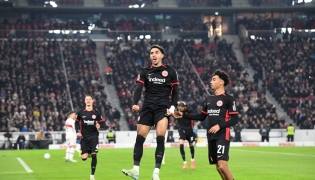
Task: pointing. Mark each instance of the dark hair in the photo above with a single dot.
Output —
(71, 112)
(222, 75)
(89, 95)
(157, 46)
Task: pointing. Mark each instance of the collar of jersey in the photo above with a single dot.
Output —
(159, 66)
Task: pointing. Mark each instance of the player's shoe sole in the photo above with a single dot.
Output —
(133, 176)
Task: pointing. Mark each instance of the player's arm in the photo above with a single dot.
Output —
(175, 83)
(137, 93)
(201, 117)
(100, 121)
(232, 113)
(77, 123)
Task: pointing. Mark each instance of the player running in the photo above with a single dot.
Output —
(71, 136)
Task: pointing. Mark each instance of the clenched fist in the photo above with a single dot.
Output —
(135, 108)
(178, 114)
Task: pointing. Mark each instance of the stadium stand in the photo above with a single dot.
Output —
(33, 87)
(287, 68)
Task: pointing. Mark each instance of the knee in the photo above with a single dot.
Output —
(221, 167)
(140, 139)
(160, 140)
(181, 146)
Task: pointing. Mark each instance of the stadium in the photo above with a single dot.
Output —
(54, 53)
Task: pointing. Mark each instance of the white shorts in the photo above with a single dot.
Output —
(71, 141)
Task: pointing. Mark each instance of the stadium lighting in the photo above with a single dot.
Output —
(252, 37)
(52, 3)
(142, 5)
(216, 13)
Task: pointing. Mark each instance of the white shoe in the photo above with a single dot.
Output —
(92, 177)
(73, 160)
(155, 176)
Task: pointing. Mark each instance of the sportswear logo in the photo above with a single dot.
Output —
(83, 116)
(220, 156)
(150, 74)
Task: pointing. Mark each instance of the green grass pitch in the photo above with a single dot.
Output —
(246, 163)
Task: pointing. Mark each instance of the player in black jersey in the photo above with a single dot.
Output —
(222, 114)
(87, 127)
(185, 131)
(160, 82)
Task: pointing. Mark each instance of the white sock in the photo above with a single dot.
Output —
(67, 152)
(136, 168)
(192, 159)
(156, 171)
(185, 162)
(71, 153)
(91, 175)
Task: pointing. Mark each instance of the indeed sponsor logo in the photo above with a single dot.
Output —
(88, 122)
(213, 112)
(157, 80)
(287, 144)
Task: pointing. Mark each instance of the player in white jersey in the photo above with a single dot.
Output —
(71, 136)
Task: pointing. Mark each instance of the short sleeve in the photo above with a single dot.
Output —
(174, 77)
(205, 107)
(100, 118)
(232, 105)
(141, 77)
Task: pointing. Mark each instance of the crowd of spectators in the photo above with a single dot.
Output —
(287, 68)
(33, 91)
(126, 60)
(264, 23)
(204, 3)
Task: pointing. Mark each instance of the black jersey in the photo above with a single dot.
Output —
(186, 124)
(219, 108)
(87, 121)
(158, 83)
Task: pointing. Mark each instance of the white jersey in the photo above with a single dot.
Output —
(70, 128)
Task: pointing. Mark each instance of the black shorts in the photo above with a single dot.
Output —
(218, 150)
(151, 114)
(186, 135)
(89, 144)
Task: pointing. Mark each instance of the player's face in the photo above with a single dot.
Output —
(181, 108)
(89, 101)
(216, 82)
(72, 116)
(156, 56)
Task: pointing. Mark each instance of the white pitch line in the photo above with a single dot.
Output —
(290, 154)
(28, 169)
(13, 172)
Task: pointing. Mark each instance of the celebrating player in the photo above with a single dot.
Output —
(70, 136)
(87, 126)
(159, 80)
(221, 111)
(186, 133)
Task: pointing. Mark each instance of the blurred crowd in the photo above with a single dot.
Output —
(287, 68)
(33, 92)
(126, 60)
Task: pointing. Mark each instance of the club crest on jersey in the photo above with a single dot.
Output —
(164, 73)
(93, 116)
(219, 103)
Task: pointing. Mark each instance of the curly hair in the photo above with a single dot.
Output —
(222, 75)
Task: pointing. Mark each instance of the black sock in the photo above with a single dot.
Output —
(138, 150)
(182, 151)
(192, 151)
(159, 152)
(93, 163)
